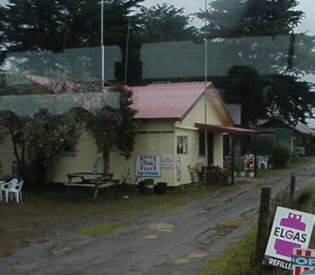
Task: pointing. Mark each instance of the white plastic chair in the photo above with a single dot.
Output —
(6, 187)
(15, 189)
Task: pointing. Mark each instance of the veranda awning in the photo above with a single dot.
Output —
(226, 129)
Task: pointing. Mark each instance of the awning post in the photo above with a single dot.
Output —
(255, 155)
(233, 158)
(206, 154)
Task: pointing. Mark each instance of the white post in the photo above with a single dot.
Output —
(102, 40)
(205, 90)
(127, 53)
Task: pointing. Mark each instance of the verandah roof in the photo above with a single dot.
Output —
(226, 129)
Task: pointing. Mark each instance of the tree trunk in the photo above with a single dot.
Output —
(106, 161)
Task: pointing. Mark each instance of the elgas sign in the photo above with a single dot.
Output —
(291, 229)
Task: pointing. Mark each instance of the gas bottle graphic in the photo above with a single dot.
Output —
(285, 247)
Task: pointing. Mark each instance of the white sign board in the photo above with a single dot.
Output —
(178, 169)
(291, 229)
(167, 162)
(303, 261)
(148, 166)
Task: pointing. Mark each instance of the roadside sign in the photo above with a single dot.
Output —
(291, 229)
(303, 261)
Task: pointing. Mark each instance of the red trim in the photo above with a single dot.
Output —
(226, 129)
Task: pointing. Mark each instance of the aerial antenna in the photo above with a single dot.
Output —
(102, 40)
(127, 53)
(205, 88)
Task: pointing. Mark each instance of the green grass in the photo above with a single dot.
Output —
(235, 259)
(100, 229)
(238, 258)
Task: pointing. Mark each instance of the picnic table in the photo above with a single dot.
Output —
(92, 180)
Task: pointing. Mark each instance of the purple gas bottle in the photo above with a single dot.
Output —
(285, 247)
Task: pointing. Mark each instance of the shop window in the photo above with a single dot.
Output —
(182, 145)
(68, 149)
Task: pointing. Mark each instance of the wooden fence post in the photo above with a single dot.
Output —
(292, 188)
(263, 224)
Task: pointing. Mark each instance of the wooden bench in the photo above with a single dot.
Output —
(91, 180)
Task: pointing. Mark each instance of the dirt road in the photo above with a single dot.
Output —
(177, 242)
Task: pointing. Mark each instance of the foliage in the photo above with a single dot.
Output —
(164, 23)
(217, 175)
(230, 18)
(13, 127)
(288, 99)
(282, 96)
(39, 28)
(245, 87)
(280, 156)
(38, 140)
(192, 172)
(294, 158)
(114, 127)
(58, 25)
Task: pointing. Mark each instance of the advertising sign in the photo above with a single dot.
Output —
(303, 261)
(148, 165)
(249, 161)
(167, 162)
(291, 229)
(178, 169)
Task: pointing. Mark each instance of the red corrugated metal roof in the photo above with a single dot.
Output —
(166, 101)
(170, 101)
(225, 129)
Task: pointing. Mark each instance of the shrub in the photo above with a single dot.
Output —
(280, 156)
(294, 158)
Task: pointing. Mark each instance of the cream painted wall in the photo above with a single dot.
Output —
(84, 159)
(147, 143)
(216, 114)
(192, 157)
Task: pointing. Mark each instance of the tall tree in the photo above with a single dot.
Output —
(57, 25)
(43, 25)
(40, 25)
(114, 127)
(236, 18)
(261, 96)
(165, 23)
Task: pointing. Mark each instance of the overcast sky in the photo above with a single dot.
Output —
(192, 6)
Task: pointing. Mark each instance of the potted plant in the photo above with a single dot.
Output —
(251, 173)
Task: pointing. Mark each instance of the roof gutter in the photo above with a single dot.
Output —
(183, 127)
